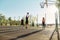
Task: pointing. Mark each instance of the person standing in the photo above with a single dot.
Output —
(27, 19)
(43, 22)
(22, 21)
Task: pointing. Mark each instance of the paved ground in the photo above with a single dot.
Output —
(55, 37)
(32, 33)
(42, 35)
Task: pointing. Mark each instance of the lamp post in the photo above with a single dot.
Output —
(37, 20)
(19, 19)
(56, 16)
(14, 18)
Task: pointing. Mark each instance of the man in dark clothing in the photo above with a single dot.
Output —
(22, 22)
(43, 22)
(27, 19)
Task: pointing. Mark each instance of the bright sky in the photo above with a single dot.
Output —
(16, 8)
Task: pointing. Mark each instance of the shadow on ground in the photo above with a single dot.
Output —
(22, 36)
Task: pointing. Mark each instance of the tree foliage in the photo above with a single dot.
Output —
(4, 21)
(58, 5)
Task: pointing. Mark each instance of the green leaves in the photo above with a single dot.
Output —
(58, 0)
(4, 21)
(58, 5)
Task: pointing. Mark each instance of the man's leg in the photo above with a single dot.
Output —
(26, 26)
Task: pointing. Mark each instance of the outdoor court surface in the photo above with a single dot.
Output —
(32, 33)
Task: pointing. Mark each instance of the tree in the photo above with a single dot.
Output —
(58, 5)
(9, 19)
(2, 19)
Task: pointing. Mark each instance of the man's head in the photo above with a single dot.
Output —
(43, 18)
(27, 13)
